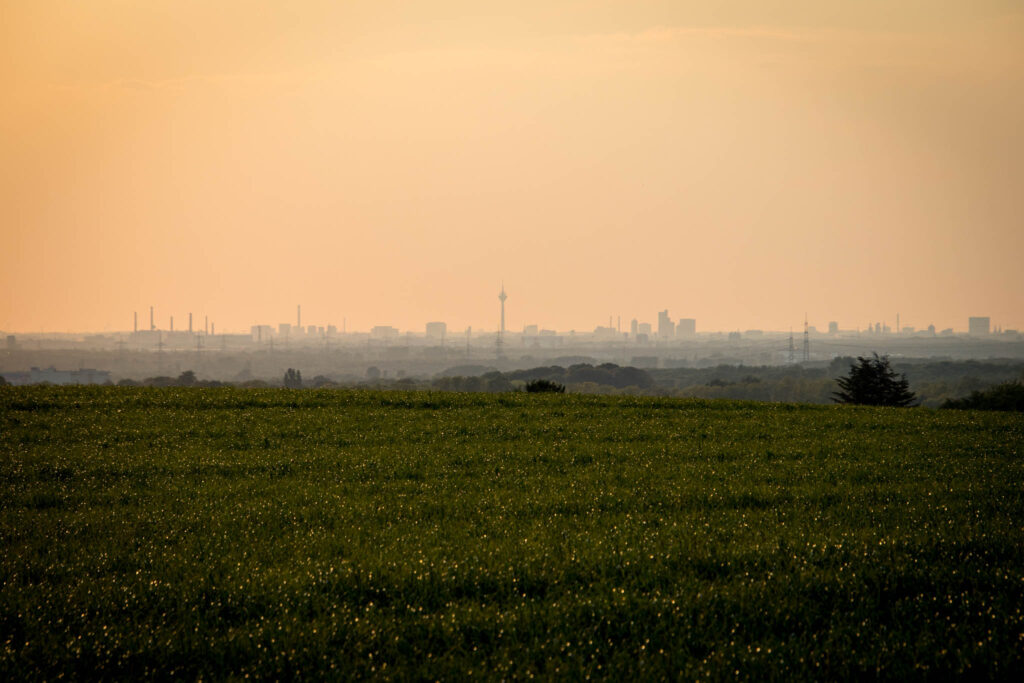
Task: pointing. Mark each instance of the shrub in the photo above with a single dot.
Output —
(540, 386)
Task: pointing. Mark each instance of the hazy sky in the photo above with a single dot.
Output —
(392, 162)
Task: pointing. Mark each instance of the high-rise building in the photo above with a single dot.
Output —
(262, 333)
(687, 327)
(833, 327)
(634, 328)
(979, 325)
(437, 331)
(666, 328)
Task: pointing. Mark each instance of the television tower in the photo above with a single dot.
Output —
(807, 341)
(501, 333)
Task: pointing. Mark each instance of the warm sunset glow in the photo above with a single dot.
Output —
(391, 162)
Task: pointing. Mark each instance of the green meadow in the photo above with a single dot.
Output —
(284, 534)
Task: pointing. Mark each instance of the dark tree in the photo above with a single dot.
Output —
(292, 379)
(540, 386)
(1007, 396)
(495, 382)
(873, 382)
(187, 379)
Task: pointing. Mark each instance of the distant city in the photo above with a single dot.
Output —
(331, 350)
(665, 331)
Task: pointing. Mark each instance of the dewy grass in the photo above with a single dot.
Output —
(177, 533)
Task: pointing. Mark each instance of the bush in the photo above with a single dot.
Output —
(541, 386)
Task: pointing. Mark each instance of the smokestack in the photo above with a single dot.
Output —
(190, 323)
(207, 323)
(135, 321)
(151, 325)
(172, 323)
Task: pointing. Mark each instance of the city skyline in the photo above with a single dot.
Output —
(655, 325)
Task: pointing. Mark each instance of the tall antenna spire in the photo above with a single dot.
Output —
(501, 333)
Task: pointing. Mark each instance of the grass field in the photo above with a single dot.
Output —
(175, 533)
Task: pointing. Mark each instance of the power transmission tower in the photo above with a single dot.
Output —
(807, 341)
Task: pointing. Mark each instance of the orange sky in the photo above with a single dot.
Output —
(391, 162)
